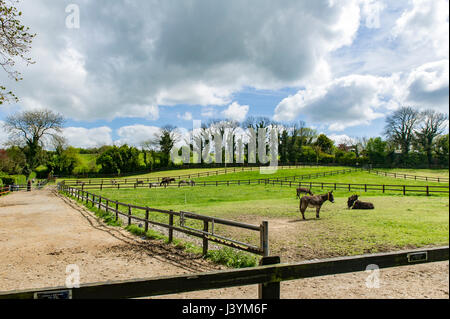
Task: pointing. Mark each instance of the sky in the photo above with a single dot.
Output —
(120, 69)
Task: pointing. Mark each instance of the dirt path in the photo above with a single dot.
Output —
(42, 233)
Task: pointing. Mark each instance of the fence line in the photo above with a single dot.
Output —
(207, 233)
(4, 190)
(127, 181)
(404, 189)
(268, 277)
(408, 176)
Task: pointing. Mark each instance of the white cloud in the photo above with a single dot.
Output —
(87, 138)
(341, 139)
(342, 103)
(428, 86)
(187, 116)
(136, 134)
(166, 53)
(425, 25)
(236, 112)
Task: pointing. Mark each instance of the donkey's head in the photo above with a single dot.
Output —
(351, 200)
(331, 197)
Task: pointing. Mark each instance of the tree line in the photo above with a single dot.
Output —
(411, 139)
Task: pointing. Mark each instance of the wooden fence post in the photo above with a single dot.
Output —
(171, 229)
(117, 211)
(129, 215)
(269, 290)
(205, 238)
(146, 219)
(264, 238)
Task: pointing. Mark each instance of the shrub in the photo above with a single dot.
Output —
(232, 258)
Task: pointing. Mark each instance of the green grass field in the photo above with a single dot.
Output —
(397, 222)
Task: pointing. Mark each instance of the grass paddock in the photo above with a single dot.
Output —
(397, 222)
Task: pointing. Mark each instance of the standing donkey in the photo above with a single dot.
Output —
(315, 201)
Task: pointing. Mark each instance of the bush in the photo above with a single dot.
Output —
(14, 179)
(232, 258)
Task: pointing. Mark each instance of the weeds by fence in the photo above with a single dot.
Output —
(207, 233)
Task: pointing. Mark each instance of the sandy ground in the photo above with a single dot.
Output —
(42, 233)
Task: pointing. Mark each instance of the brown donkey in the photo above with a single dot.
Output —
(315, 201)
(303, 190)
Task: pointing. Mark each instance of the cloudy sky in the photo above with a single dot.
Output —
(123, 68)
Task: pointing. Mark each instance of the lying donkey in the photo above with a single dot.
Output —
(354, 203)
(315, 201)
(303, 190)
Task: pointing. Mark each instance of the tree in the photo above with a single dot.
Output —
(432, 125)
(30, 128)
(441, 148)
(376, 150)
(324, 144)
(168, 138)
(15, 42)
(400, 128)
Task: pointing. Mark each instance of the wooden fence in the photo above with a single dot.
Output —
(408, 176)
(207, 233)
(268, 277)
(350, 187)
(206, 174)
(4, 190)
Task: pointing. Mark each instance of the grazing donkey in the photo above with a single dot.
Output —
(166, 181)
(303, 190)
(315, 201)
(362, 205)
(189, 182)
(351, 200)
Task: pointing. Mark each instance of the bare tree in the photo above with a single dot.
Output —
(15, 42)
(30, 128)
(400, 128)
(432, 125)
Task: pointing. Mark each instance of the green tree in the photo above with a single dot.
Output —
(324, 143)
(15, 43)
(168, 138)
(376, 150)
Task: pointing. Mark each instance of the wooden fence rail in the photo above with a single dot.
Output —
(146, 181)
(404, 189)
(206, 174)
(207, 233)
(268, 277)
(408, 176)
(4, 190)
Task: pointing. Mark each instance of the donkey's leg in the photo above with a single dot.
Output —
(302, 209)
(317, 212)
